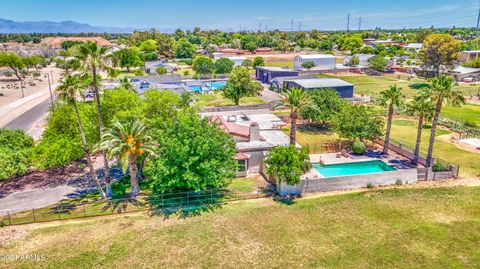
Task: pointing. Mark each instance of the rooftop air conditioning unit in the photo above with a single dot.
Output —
(232, 118)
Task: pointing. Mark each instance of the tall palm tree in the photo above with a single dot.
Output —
(421, 107)
(94, 58)
(391, 98)
(441, 90)
(68, 91)
(295, 99)
(128, 141)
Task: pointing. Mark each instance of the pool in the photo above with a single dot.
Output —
(217, 84)
(348, 169)
(196, 88)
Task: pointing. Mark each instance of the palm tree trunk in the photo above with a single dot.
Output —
(100, 129)
(133, 175)
(419, 139)
(293, 127)
(438, 108)
(389, 127)
(87, 152)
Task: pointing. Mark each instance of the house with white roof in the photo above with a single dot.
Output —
(321, 61)
(255, 135)
(465, 74)
(344, 89)
(416, 47)
(469, 55)
(362, 59)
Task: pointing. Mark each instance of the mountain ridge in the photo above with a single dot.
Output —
(66, 27)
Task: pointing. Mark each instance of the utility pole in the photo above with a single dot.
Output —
(291, 25)
(348, 22)
(260, 27)
(299, 26)
(359, 23)
(478, 18)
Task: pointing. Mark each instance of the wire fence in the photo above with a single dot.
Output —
(158, 204)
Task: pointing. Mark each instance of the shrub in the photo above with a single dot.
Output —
(358, 147)
(56, 151)
(161, 70)
(398, 182)
(186, 73)
(13, 162)
(370, 185)
(139, 72)
(438, 167)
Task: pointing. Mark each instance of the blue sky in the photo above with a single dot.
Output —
(224, 15)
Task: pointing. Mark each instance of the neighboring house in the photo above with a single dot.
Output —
(151, 66)
(468, 55)
(414, 47)
(344, 88)
(166, 82)
(254, 135)
(322, 61)
(56, 42)
(265, 74)
(385, 43)
(362, 59)
(465, 74)
(237, 60)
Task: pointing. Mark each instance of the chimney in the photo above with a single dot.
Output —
(254, 132)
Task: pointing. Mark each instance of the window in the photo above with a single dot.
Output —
(242, 165)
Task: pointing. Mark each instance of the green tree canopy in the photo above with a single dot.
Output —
(148, 45)
(288, 163)
(439, 50)
(325, 103)
(193, 155)
(358, 122)
(378, 63)
(127, 58)
(185, 49)
(203, 65)
(241, 85)
(12, 61)
(258, 61)
(224, 66)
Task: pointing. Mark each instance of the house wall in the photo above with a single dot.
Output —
(266, 76)
(349, 182)
(320, 63)
(255, 164)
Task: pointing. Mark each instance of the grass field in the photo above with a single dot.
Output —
(406, 130)
(466, 113)
(288, 64)
(373, 85)
(217, 99)
(395, 228)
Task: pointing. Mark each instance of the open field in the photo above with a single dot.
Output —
(406, 130)
(394, 228)
(217, 99)
(373, 85)
(466, 113)
(288, 64)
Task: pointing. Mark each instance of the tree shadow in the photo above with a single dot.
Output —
(286, 199)
(418, 86)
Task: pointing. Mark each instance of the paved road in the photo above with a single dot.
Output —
(27, 120)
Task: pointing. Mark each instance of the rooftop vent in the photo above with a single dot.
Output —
(232, 118)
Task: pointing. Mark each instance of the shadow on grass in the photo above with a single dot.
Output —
(286, 199)
(418, 86)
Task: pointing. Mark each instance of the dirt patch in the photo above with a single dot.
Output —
(9, 235)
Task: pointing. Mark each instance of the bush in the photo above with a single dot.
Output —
(398, 182)
(438, 167)
(358, 147)
(161, 70)
(139, 72)
(370, 185)
(186, 73)
(13, 162)
(56, 152)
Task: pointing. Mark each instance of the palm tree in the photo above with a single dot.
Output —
(127, 84)
(422, 108)
(128, 141)
(295, 99)
(391, 98)
(441, 90)
(68, 91)
(94, 58)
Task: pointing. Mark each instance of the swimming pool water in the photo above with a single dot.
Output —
(196, 88)
(347, 169)
(217, 84)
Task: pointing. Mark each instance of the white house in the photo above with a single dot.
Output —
(237, 60)
(414, 47)
(362, 59)
(322, 61)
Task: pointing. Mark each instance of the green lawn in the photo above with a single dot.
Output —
(288, 64)
(466, 113)
(217, 99)
(373, 85)
(406, 131)
(395, 228)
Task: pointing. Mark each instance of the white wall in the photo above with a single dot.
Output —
(320, 63)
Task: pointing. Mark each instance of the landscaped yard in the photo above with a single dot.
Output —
(406, 131)
(373, 85)
(396, 228)
(466, 113)
(217, 99)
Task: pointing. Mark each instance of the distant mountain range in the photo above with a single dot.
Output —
(65, 27)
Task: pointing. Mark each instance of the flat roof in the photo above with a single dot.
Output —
(471, 51)
(320, 82)
(315, 56)
(276, 68)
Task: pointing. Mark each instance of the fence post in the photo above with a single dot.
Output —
(34, 218)
(9, 219)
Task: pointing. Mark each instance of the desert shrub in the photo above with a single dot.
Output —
(370, 185)
(398, 182)
(358, 147)
(161, 70)
(139, 72)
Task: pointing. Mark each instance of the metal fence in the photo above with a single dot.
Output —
(161, 204)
